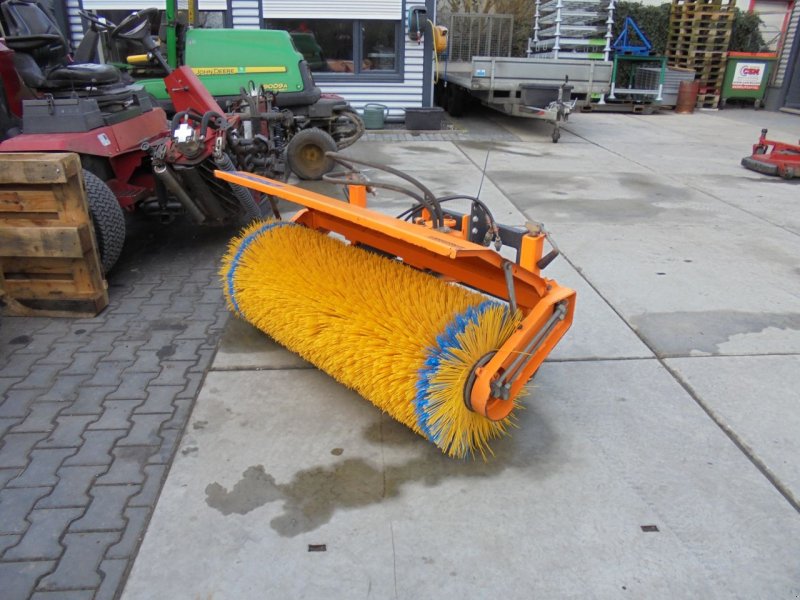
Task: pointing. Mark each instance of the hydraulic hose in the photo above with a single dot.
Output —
(224, 162)
(219, 122)
(429, 202)
(165, 174)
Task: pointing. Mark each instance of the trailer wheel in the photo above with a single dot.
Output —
(306, 153)
(457, 100)
(107, 218)
(438, 88)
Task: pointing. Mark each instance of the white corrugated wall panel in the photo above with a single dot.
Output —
(792, 35)
(343, 9)
(397, 96)
(74, 19)
(134, 5)
(246, 14)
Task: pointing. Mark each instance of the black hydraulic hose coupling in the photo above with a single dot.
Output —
(184, 114)
(218, 123)
(244, 197)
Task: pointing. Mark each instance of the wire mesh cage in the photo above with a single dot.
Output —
(474, 34)
(572, 28)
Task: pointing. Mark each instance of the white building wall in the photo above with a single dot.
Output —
(134, 5)
(396, 96)
(332, 9)
(247, 14)
(75, 26)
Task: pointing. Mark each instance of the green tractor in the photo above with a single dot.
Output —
(229, 61)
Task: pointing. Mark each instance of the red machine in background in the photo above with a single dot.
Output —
(774, 158)
(133, 158)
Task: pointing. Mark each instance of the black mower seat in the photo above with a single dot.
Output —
(64, 77)
(83, 74)
(42, 52)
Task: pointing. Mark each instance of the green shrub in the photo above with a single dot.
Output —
(652, 20)
(746, 36)
(654, 23)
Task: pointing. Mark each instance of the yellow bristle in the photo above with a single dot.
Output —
(461, 430)
(369, 322)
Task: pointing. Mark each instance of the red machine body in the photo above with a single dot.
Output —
(774, 158)
(134, 158)
(188, 93)
(122, 144)
(11, 82)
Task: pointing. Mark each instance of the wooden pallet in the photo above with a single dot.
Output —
(690, 33)
(711, 23)
(702, 21)
(711, 16)
(699, 51)
(710, 59)
(697, 65)
(49, 264)
(706, 75)
(718, 39)
(707, 100)
(680, 4)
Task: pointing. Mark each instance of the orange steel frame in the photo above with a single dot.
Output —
(452, 256)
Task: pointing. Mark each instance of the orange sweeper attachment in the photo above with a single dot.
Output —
(421, 314)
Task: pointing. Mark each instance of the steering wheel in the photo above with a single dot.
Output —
(102, 25)
(135, 26)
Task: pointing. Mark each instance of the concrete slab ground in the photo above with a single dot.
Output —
(657, 456)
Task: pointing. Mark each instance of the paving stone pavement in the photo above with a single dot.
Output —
(91, 412)
(447, 135)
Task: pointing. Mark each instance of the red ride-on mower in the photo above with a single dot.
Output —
(133, 159)
(774, 158)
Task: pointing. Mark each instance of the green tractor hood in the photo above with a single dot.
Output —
(227, 60)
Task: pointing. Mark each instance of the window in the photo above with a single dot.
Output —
(209, 19)
(359, 47)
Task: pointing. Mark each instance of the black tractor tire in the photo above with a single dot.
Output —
(305, 153)
(438, 93)
(107, 217)
(444, 98)
(458, 101)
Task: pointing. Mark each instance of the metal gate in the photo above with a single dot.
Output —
(788, 71)
(793, 89)
(473, 34)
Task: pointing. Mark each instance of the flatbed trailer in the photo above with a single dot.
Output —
(538, 88)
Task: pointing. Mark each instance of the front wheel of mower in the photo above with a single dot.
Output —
(306, 153)
(107, 217)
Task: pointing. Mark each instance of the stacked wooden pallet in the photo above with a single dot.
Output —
(699, 34)
(49, 265)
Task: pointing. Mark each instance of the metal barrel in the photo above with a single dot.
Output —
(687, 96)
